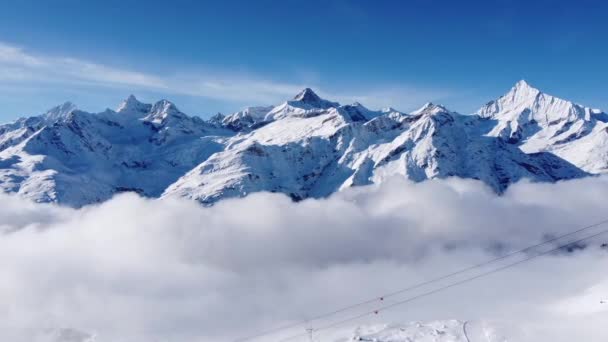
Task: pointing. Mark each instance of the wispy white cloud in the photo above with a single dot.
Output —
(402, 97)
(240, 88)
(17, 65)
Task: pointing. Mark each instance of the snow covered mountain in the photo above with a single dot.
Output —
(539, 122)
(73, 157)
(304, 147)
(313, 152)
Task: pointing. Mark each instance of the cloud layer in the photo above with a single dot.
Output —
(133, 269)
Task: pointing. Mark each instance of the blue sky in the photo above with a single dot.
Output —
(210, 56)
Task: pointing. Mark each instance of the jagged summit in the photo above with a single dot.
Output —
(308, 97)
(60, 112)
(388, 110)
(430, 108)
(523, 85)
(358, 112)
(526, 103)
(304, 147)
(245, 119)
(132, 104)
(217, 118)
(521, 96)
(164, 106)
(539, 122)
(523, 90)
(162, 111)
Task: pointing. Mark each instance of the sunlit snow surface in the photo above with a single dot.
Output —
(434, 331)
(305, 147)
(540, 122)
(438, 331)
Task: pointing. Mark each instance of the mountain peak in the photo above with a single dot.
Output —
(430, 108)
(388, 110)
(524, 104)
(60, 112)
(307, 95)
(132, 104)
(522, 84)
(162, 110)
(523, 89)
(299, 148)
(358, 112)
(308, 99)
(65, 107)
(164, 107)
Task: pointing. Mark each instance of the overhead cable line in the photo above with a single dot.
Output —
(466, 280)
(416, 286)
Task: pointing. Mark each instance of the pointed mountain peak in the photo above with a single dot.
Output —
(430, 108)
(60, 112)
(358, 112)
(524, 89)
(524, 103)
(521, 84)
(522, 96)
(309, 98)
(388, 110)
(356, 105)
(217, 118)
(65, 107)
(162, 111)
(132, 104)
(307, 95)
(164, 105)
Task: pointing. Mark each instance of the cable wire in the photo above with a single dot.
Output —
(416, 286)
(426, 294)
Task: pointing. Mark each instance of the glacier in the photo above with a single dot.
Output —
(305, 147)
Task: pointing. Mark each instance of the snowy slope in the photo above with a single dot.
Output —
(439, 331)
(76, 158)
(245, 119)
(309, 151)
(304, 147)
(433, 331)
(540, 122)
